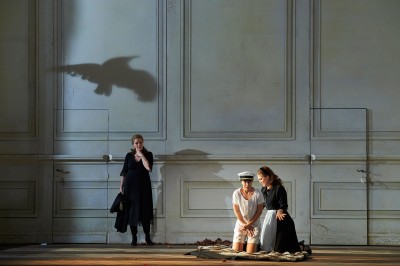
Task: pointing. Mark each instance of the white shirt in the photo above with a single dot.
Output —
(248, 208)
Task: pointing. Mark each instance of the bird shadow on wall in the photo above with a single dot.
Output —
(115, 72)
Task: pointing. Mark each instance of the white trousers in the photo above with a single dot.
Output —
(268, 231)
(241, 237)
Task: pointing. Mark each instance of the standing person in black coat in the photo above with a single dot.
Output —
(136, 187)
(278, 230)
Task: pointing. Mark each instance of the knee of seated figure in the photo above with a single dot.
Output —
(237, 246)
(251, 247)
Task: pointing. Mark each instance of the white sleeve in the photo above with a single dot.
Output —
(235, 199)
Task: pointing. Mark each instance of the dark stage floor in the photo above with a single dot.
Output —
(124, 254)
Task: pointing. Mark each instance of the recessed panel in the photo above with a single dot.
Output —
(18, 198)
(207, 198)
(113, 62)
(214, 198)
(356, 54)
(237, 71)
(337, 199)
(17, 69)
(76, 198)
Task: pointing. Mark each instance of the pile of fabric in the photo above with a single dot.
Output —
(225, 252)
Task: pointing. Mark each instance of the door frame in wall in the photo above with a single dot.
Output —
(339, 169)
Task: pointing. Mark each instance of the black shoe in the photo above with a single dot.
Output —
(134, 241)
(304, 247)
(149, 242)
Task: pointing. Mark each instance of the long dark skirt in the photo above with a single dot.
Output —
(286, 237)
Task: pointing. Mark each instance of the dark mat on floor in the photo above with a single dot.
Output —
(225, 252)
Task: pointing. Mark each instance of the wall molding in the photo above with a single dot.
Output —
(201, 159)
(195, 195)
(316, 91)
(79, 130)
(19, 198)
(288, 129)
(32, 85)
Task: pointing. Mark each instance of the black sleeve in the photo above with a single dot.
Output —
(125, 167)
(150, 159)
(282, 197)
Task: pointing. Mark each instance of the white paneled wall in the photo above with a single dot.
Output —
(216, 87)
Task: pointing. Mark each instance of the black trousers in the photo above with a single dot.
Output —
(146, 228)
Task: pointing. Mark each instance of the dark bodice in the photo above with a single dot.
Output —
(275, 198)
(132, 167)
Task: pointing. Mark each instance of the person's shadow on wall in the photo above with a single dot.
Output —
(213, 168)
(115, 72)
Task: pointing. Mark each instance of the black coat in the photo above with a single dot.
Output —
(121, 206)
(137, 188)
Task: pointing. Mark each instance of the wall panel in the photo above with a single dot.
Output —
(120, 74)
(79, 77)
(18, 198)
(233, 66)
(356, 54)
(18, 94)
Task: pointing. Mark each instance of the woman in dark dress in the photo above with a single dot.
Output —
(278, 230)
(136, 186)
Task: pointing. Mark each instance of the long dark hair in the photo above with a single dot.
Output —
(266, 171)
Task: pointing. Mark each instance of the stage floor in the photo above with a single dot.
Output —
(124, 254)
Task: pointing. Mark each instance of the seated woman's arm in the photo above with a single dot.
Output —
(238, 214)
(257, 215)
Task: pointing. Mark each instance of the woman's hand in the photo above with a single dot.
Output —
(248, 230)
(143, 158)
(280, 215)
(139, 153)
(245, 226)
(121, 185)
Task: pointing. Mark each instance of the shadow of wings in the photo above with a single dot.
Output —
(115, 72)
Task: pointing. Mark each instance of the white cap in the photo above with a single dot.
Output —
(246, 175)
